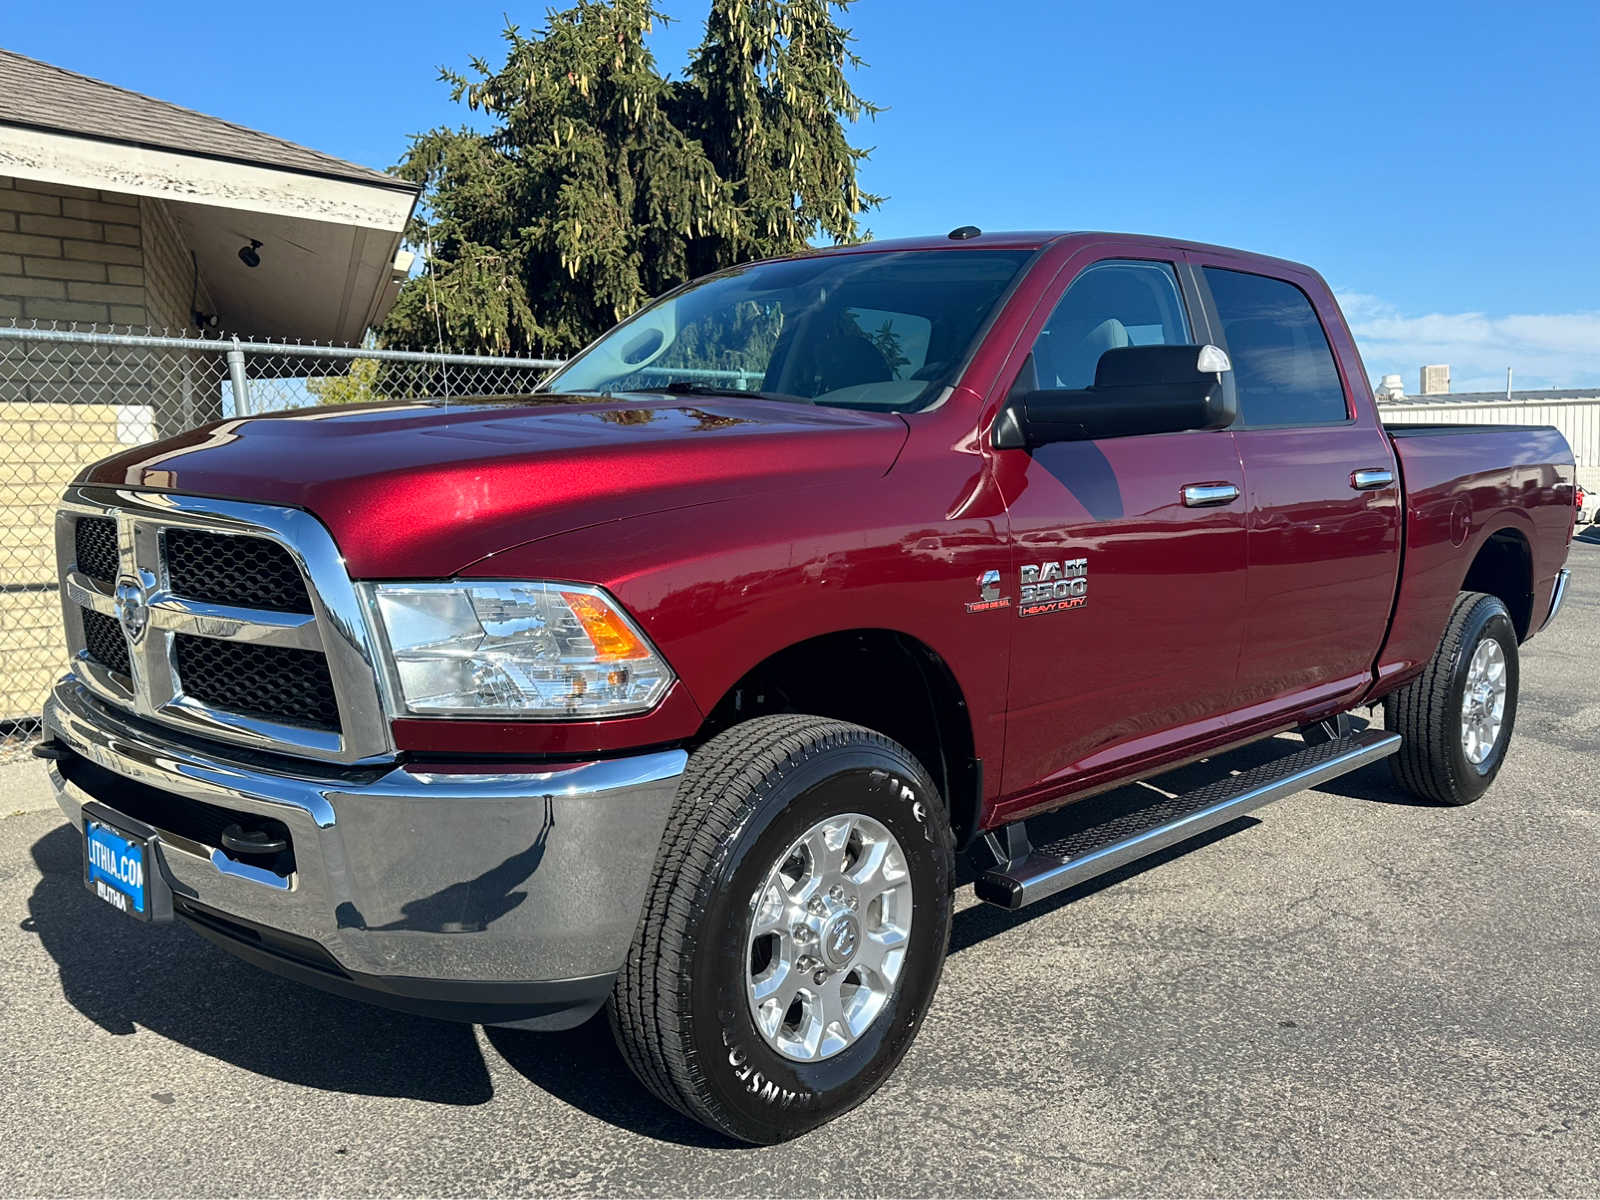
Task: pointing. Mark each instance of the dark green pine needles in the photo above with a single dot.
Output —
(602, 182)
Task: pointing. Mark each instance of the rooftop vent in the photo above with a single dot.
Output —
(1436, 380)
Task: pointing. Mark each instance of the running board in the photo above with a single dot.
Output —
(1040, 871)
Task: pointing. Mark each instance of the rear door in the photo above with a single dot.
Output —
(1133, 650)
(1322, 493)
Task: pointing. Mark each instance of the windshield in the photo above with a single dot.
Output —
(881, 330)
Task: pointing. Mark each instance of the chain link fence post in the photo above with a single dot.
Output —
(240, 385)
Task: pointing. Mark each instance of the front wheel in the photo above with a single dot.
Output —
(795, 930)
(1455, 719)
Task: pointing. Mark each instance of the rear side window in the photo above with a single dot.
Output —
(1282, 365)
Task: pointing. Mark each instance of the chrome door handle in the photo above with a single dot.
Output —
(1206, 495)
(1368, 478)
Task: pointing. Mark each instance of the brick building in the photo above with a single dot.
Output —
(119, 210)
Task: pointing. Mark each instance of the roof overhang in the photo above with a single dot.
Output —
(329, 244)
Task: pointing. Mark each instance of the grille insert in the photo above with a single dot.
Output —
(273, 683)
(222, 568)
(95, 548)
(102, 638)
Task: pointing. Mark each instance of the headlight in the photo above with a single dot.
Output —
(520, 649)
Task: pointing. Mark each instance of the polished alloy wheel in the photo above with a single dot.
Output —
(828, 936)
(1483, 702)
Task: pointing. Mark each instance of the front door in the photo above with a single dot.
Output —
(1129, 598)
(1322, 498)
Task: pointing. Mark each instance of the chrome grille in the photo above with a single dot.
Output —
(234, 621)
(95, 547)
(226, 568)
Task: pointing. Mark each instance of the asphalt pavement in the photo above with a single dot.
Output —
(1355, 993)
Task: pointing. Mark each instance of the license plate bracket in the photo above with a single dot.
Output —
(122, 864)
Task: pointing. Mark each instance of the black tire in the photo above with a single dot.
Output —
(680, 1011)
(1426, 712)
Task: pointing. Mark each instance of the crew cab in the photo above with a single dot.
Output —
(677, 686)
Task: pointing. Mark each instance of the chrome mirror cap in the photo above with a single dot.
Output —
(1213, 359)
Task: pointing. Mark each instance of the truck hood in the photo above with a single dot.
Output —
(423, 490)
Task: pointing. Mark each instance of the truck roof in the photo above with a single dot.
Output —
(1034, 239)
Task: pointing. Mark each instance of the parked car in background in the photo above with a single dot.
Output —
(677, 687)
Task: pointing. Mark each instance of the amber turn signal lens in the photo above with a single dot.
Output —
(613, 640)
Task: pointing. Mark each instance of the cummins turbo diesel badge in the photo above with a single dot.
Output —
(989, 597)
(1053, 587)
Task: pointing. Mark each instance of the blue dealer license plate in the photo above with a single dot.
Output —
(116, 868)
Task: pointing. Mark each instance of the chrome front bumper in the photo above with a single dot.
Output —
(500, 891)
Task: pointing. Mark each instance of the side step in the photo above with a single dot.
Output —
(1030, 873)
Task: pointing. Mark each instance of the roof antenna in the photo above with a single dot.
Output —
(962, 232)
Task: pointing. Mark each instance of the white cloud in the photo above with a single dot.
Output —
(1544, 350)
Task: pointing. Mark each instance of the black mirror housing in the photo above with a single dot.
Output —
(1137, 389)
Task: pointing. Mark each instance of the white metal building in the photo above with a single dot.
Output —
(1574, 411)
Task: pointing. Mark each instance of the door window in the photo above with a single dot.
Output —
(1282, 365)
(1112, 304)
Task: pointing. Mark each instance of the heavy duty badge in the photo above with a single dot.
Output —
(1053, 587)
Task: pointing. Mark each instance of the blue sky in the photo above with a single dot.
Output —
(1436, 161)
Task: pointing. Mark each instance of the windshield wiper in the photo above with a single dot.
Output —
(695, 387)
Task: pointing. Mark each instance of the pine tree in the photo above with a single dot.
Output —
(766, 95)
(602, 183)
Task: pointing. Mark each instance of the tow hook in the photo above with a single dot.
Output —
(252, 842)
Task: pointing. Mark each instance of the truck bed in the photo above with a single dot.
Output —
(1468, 486)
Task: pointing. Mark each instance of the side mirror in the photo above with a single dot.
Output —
(1137, 389)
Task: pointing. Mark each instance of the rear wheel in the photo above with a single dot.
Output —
(1456, 718)
(795, 931)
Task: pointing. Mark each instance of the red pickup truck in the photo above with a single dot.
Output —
(678, 685)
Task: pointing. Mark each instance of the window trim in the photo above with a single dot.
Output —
(1218, 332)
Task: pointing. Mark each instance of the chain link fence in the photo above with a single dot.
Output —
(69, 396)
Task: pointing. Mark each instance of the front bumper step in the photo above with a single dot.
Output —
(1027, 874)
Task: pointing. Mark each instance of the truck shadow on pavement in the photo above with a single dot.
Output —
(584, 1068)
(121, 975)
(980, 922)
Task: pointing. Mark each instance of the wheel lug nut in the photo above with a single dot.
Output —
(820, 977)
(817, 906)
(836, 892)
(854, 902)
(802, 933)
